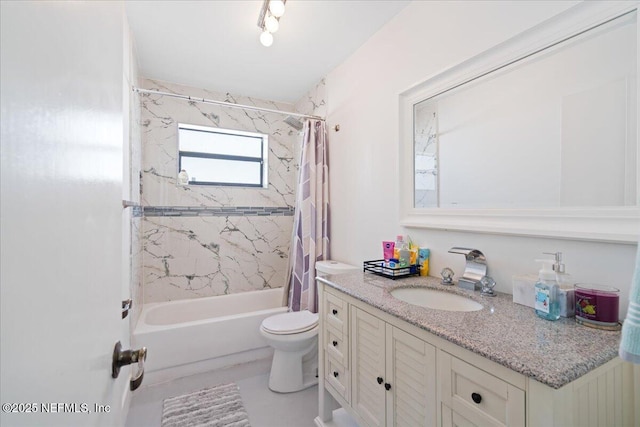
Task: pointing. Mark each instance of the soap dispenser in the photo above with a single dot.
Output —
(566, 292)
(547, 304)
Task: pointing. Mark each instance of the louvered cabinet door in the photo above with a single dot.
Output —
(411, 372)
(368, 367)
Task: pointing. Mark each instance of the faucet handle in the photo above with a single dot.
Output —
(487, 286)
(447, 276)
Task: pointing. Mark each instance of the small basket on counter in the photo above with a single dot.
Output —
(378, 267)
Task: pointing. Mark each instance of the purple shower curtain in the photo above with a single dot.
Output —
(310, 237)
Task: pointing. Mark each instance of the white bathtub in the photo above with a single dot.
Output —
(192, 336)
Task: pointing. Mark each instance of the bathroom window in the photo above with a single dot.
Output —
(214, 156)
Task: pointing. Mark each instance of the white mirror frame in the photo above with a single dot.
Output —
(608, 224)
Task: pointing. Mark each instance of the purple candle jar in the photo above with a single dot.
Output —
(597, 305)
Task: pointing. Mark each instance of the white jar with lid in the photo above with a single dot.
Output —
(183, 177)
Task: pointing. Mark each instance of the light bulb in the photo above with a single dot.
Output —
(271, 24)
(266, 39)
(276, 7)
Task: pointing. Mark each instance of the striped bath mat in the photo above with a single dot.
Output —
(219, 406)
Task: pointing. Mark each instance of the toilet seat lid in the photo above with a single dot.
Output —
(290, 323)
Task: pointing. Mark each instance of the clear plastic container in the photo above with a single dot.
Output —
(597, 305)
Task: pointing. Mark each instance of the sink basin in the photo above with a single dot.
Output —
(438, 300)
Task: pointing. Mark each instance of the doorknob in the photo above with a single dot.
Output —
(127, 357)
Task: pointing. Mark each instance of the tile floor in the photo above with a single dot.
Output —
(265, 407)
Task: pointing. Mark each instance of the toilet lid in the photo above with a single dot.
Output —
(290, 323)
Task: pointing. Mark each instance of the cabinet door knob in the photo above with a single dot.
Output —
(335, 343)
(334, 311)
(476, 397)
(380, 380)
(335, 374)
(387, 386)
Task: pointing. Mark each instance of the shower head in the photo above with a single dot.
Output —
(294, 123)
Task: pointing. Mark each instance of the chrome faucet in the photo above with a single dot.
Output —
(475, 269)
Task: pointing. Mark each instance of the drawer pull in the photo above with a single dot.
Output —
(387, 386)
(335, 343)
(380, 380)
(334, 311)
(476, 397)
(335, 374)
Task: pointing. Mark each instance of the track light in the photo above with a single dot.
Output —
(269, 19)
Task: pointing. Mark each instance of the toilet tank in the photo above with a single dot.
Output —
(334, 267)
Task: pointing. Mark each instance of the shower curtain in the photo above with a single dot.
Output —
(310, 236)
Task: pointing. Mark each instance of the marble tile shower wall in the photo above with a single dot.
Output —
(314, 102)
(202, 240)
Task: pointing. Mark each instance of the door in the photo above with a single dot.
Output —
(61, 211)
(411, 373)
(368, 367)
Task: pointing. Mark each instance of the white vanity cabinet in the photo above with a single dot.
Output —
(393, 374)
(385, 371)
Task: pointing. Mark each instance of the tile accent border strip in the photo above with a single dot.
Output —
(149, 211)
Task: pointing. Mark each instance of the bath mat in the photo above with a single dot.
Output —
(219, 406)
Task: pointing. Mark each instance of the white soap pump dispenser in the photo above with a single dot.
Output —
(547, 304)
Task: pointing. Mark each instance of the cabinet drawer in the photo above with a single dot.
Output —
(337, 376)
(477, 395)
(336, 313)
(453, 419)
(336, 346)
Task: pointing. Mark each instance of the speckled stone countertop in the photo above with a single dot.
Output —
(551, 352)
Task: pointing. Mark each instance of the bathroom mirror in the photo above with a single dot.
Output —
(537, 136)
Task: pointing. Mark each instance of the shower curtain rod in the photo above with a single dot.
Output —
(225, 104)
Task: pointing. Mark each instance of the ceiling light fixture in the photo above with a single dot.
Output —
(269, 20)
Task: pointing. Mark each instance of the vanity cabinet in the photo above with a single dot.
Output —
(385, 371)
(393, 374)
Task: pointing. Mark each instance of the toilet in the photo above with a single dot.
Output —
(294, 337)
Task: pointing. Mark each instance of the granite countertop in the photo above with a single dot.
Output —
(551, 352)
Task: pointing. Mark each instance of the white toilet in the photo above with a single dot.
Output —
(294, 337)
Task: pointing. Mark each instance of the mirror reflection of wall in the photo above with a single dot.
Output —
(557, 129)
(426, 151)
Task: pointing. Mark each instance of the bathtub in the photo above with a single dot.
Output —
(188, 337)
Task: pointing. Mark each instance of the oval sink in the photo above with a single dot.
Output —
(431, 298)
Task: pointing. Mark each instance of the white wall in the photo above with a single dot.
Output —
(362, 96)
